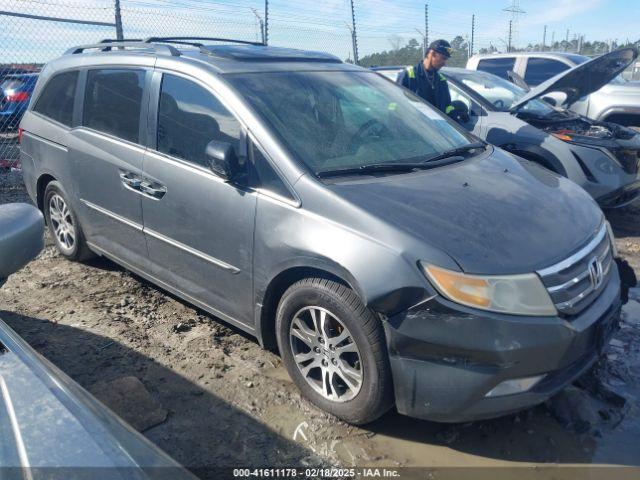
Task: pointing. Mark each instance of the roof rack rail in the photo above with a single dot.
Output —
(187, 41)
(107, 45)
(115, 40)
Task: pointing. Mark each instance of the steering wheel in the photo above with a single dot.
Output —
(499, 103)
(366, 127)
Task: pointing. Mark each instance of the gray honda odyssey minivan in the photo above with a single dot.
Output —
(390, 256)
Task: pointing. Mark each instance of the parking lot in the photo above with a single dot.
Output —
(210, 396)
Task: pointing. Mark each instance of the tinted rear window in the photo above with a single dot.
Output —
(56, 99)
(113, 101)
(498, 66)
(541, 69)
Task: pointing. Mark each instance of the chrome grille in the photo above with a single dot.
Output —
(577, 281)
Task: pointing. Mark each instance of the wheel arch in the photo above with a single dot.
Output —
(268, 301)
(41, 185)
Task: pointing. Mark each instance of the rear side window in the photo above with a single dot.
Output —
(498, 66)
(112, 102)
(189, 117)
(541, 69)
(56, 99)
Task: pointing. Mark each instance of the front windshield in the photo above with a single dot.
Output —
(501, 93)
(334, 120)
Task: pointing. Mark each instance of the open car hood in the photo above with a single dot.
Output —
(583, 79)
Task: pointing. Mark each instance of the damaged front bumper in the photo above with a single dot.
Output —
(453, 364)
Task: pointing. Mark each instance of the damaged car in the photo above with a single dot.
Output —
(601, 157)
(390, 256)
(617, 102)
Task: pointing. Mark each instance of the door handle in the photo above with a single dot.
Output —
(154, 190)
(130, 180)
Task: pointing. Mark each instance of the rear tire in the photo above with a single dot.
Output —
(334, 350)
(63, 224)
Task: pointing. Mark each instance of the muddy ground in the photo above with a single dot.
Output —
(229, 403)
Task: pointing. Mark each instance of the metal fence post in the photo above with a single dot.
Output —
(354, 34)
(266, 22)
(118, 14)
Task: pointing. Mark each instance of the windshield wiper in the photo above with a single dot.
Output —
(371, 168)
(444, 158)
(455, 152)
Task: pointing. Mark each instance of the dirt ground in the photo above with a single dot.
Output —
(230, 403)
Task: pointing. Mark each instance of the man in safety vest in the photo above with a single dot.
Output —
(425, 80)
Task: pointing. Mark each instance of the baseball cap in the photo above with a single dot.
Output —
(441, 46)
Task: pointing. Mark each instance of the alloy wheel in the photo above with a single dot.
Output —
(62, 223)
(326, 354)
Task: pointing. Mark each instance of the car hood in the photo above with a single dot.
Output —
(495, 214)
(583, 79)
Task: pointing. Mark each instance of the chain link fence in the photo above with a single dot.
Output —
(33, 32)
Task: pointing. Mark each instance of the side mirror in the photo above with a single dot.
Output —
(21, 237)
(460, 111)
(222, 159)
(550, 100)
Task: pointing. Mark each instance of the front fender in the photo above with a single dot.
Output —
(387, 279)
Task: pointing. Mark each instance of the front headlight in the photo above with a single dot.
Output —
(513, 294)
(614, 248)
(628, 158)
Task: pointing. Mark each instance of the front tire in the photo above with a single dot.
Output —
(63, 224)
(334, 350)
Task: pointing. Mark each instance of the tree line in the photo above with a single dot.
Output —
(412, 52)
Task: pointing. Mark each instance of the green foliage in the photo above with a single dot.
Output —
(411, 53)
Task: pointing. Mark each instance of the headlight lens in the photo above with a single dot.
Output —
(628, 159)
(513, 294)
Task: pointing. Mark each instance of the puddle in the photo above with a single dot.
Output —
(530, 437)
(277, 373)
(620, 444)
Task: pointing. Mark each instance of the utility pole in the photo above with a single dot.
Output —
(266, 22)
(566, 41)
(515, 11)
(580, 40)
(354, 34)
(553, 39)
(118, 14)
(510, 31)
(473, 31)
(426, 25)
(544, 38)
